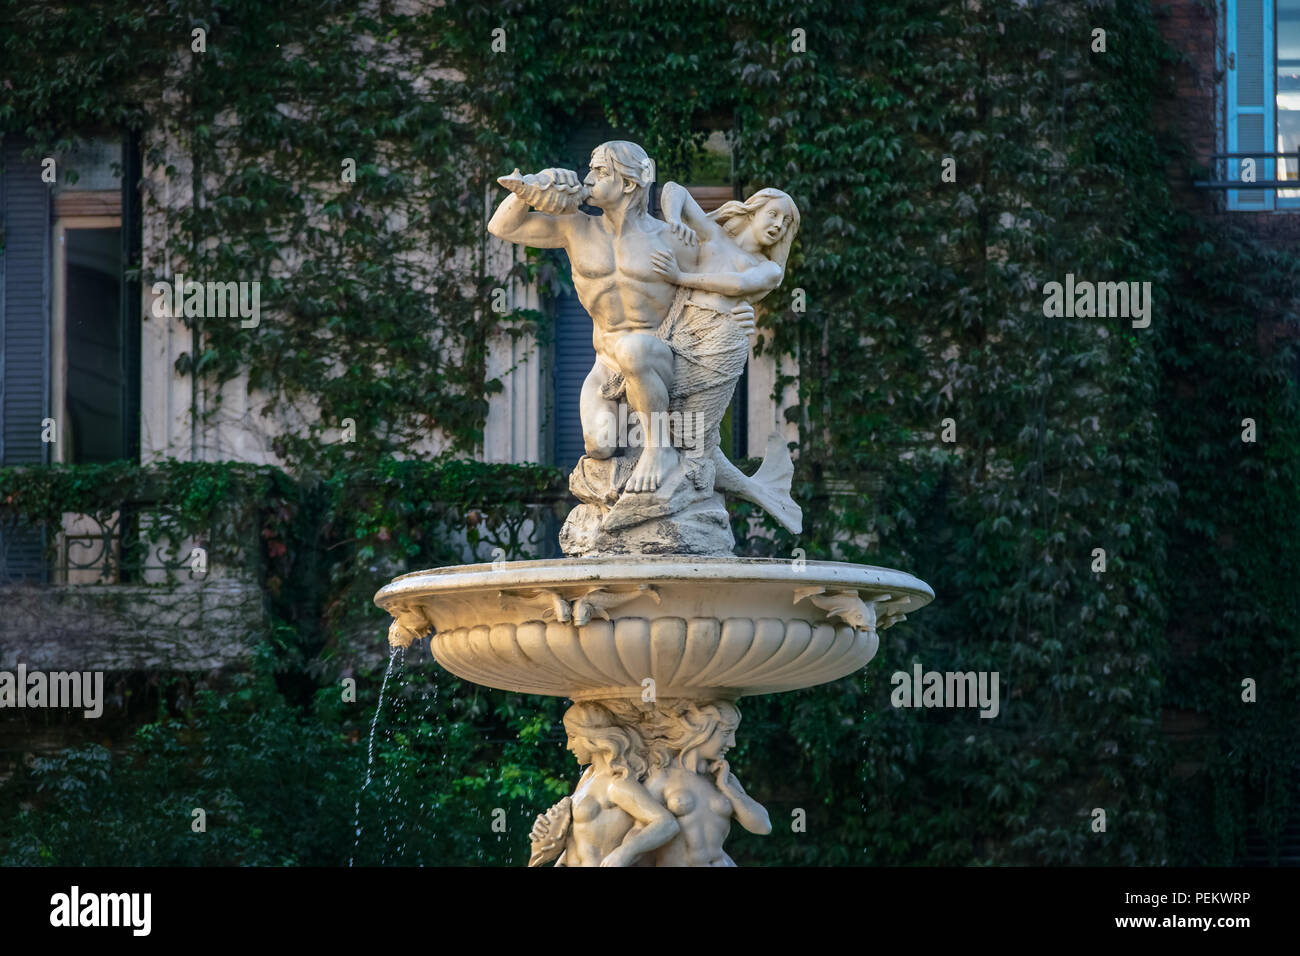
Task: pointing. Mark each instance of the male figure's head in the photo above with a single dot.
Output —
(620, 172)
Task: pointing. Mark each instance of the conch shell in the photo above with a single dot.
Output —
(541, 192)
(550, 833)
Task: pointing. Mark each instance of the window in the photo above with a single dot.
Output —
(1263, 102)
(69, 320)
(1288, 96)
(89, 384)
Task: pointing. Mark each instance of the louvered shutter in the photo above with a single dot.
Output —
(24, 341)
(574, 357)
(1250, 97)
(574, 354)
(129, 306)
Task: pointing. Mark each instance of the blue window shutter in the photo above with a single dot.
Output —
(24, 340)
(1250, 96)
(574, 358)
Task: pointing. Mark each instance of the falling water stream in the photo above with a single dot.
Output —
(388, 793)
(394, 657)
(862, 793)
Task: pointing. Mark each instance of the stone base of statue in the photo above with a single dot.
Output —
(683, 516)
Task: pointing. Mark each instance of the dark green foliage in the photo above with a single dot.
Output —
(280, 786)
(924, 303)
(1235, 609)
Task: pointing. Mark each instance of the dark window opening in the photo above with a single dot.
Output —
(96, 371)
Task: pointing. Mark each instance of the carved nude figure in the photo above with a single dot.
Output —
(743, 248)
(610, 820)
(625, 295)
(671, 304)
(690, 776)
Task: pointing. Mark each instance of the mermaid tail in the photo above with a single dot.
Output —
(769, 487)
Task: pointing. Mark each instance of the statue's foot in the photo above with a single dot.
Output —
(651, 468)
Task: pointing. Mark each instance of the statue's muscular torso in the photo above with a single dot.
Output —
(616, 282)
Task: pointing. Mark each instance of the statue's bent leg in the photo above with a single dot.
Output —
(599, 415)
(646, 362)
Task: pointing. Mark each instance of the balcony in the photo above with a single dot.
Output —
(136, 578)
(184, 565)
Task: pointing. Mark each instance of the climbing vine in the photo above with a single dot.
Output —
(924, 315)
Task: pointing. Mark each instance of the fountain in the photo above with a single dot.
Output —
(650, 624)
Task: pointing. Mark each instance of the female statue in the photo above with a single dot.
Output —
(691, 777)
(743, 250)
(610, 820)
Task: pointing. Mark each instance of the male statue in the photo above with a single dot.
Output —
(617, 283)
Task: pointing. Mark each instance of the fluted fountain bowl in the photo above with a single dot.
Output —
(600, 628)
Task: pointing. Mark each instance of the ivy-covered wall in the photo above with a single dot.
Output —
(924, 322)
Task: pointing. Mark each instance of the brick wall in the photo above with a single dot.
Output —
(1189, 117)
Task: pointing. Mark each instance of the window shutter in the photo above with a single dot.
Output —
(574, 357)
(1250, 96)
(574, 354)
(24, 341)
(130, 303)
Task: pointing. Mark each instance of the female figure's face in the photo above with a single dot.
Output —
(722, 740)
(580, 747)
(768, 225)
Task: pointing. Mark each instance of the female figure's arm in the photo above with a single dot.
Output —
(681, 209)
(749, 813)
(684, 214)
(753, 283)
(656, 825)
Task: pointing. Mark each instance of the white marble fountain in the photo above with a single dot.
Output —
(650, 625)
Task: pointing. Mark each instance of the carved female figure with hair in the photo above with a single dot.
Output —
(690, 776)
(743, 248)
(610, 820)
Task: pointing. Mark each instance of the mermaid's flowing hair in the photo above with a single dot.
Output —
(690, 728)
(623, 743)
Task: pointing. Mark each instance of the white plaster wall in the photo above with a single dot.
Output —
(766, 407)
(513, 431)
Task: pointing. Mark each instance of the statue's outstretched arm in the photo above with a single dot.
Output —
(515, 222)
(679, 206)
(656, 825)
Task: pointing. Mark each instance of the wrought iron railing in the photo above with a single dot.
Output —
(1219, 170)
(141, 536)
(139, 541)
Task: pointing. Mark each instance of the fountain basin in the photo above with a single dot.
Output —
(673, 626)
